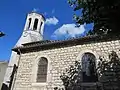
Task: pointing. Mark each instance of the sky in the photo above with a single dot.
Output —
(59, 24)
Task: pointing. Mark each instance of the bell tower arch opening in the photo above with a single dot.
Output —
(29, 23)
(41, 25)
(35, 24)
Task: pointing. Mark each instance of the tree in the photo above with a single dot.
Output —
(1, 34)
(71, 77)
(108, 75)
(109, 72)
(105, 14)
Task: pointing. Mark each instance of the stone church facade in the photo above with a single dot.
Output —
(41, 62)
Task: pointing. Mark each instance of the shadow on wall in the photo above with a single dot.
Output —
(4, 87)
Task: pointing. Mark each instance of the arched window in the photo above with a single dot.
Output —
(35, 24)
(29, 23)
(42, 70)
(89, 73)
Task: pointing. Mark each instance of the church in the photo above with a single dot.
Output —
(36, 64)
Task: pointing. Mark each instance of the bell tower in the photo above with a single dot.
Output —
(33, 29)
(35, 22)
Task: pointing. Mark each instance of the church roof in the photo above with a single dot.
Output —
(47, 44)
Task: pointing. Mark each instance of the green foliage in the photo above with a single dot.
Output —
(105, 14)
(1, 34)
(71, 78)
(108, 74)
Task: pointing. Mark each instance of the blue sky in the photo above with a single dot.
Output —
(59, 21)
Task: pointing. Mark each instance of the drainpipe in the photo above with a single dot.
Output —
(15, 68)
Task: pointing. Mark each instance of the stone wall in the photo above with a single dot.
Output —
(59, 59)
